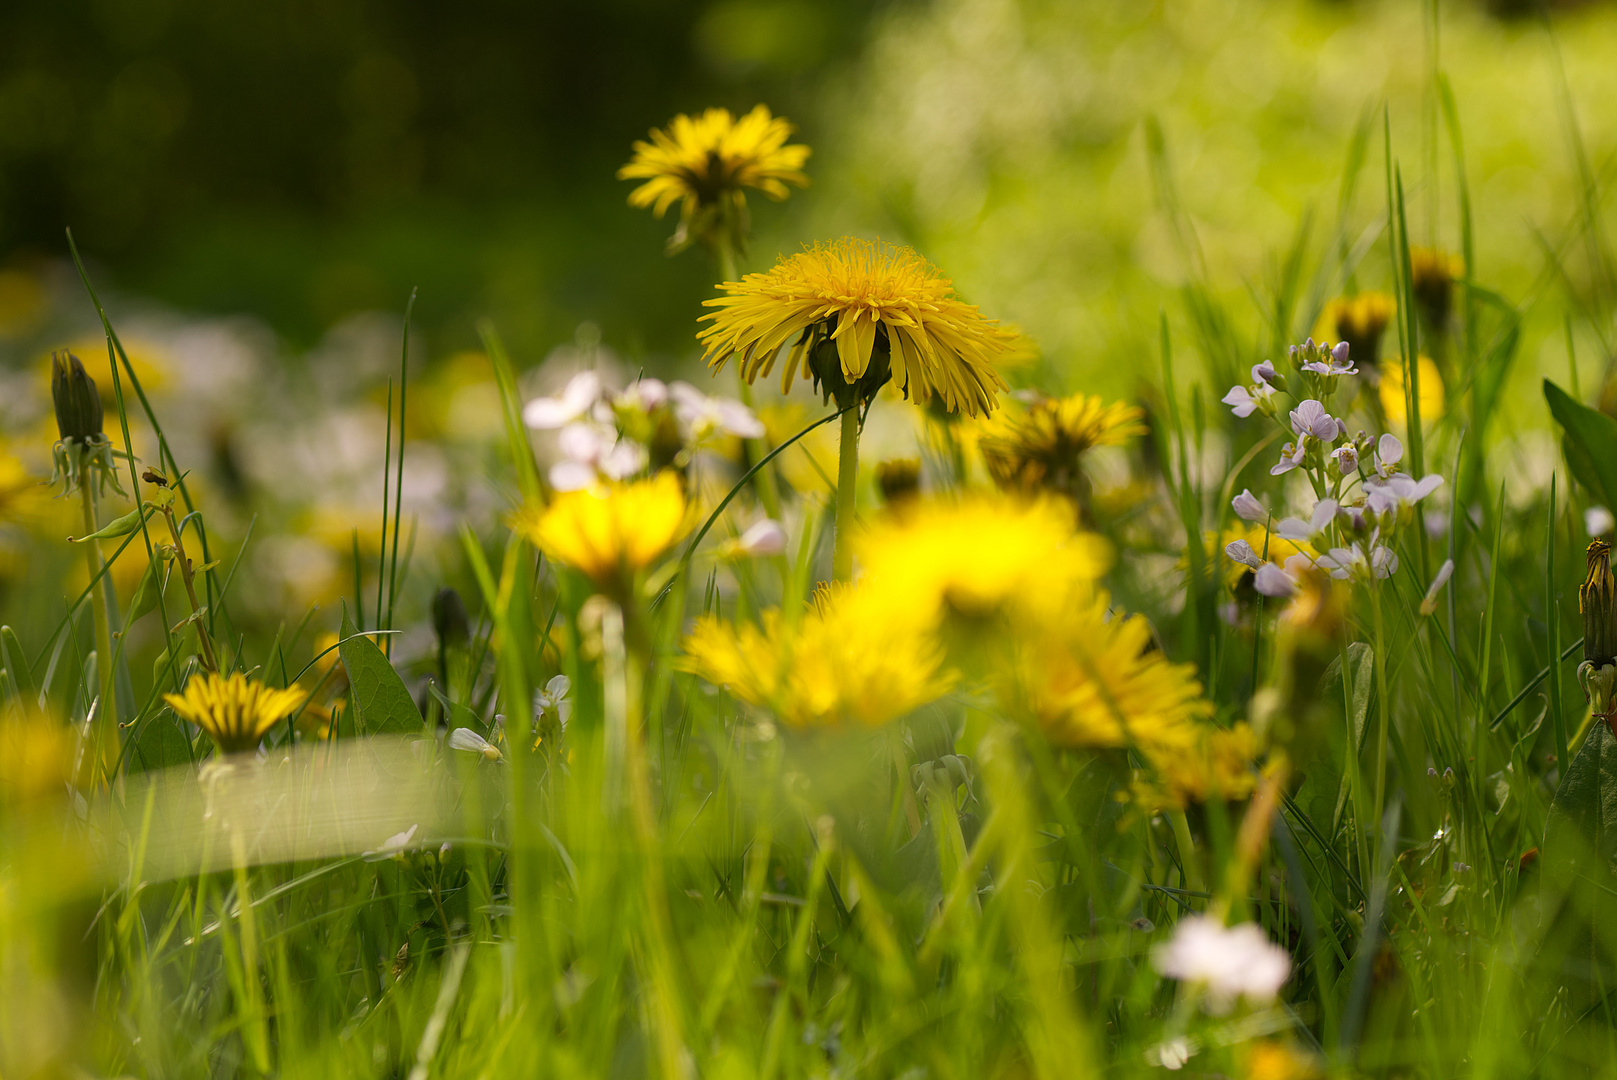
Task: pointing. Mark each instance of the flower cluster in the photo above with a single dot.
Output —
(606, 437)
(1362, 496)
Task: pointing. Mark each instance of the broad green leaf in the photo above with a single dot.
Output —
(1591, 443)
(381, 700)
(1580, 833)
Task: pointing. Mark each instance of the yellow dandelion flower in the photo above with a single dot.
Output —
(1360, 321)
(36, 756)
(1268, 1060)
(611, 531)
(847, 661)
(707, 162)
(982, 557)
(862, 314)
(1217, 763)
(1432, 274)
(1392, 392)
(1038, 448)
(1096, 679)
(234, 710)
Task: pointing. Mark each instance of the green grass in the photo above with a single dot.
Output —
(676, 885)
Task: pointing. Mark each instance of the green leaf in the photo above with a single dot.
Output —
(1591, 441)
(1580, 833)
(15, 661)
(120, 527)
(146, 594)
(381, 700)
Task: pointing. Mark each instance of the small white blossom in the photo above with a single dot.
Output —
(1228, 962)
(553, 698)
(1242, 552)
(764, 537)
(1310, 418)
(1272, 581)
(1389, 452)
(464, 738)
(1244, 402)
(1248, 508)
(706, 416)
(1597, 521)
(1429, 604)
(1346, 457)
(577, 398)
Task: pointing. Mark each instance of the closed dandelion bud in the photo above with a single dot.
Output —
(449, 619)
(899, 480)
(1597, 600)
(78, 404)
(1432, 274)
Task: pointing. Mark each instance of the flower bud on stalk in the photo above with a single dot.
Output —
(78, 404)
(1597, 600)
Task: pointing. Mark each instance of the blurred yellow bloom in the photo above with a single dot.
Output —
(712, 157)
(1269, 1060)
(36, 756)
(234, 710)
(1097, 679)
(1038, 448)
(1273, 547)
(1392, 392)
(860, 311)
(1217, 763)
(611, 531)
(1360, 321)
(847, 661)
(982, 557)
(1432, 274)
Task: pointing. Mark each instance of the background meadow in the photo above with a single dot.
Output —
(684, 881)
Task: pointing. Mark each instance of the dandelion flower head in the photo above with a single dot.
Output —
(1040, 447)
(1392, 392)
(1097, 680)
(846, 661)
(611, 530)
(705, 159)
(234, 710)
(861, 312)
(982, 557)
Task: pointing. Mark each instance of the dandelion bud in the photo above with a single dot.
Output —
(78, 404)
(449, 619)
(899, 479)
(1597, 600)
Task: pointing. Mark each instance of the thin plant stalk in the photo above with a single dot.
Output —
(108, 713)
(847, 476)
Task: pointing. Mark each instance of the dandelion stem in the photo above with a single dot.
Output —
(847, 475)
(108, 713)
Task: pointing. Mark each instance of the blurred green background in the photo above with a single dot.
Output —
(301, 163)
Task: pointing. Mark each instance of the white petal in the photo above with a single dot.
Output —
(1389, 451)
(765, 537)
(1242, 552)
(464, 738)
(572, 476)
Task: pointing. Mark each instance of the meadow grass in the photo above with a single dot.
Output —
(556, 839)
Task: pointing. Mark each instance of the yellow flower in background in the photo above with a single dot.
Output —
(1268, 1060)
(234, 710)
(1360, 321)
(611, 531)
(860, 313)
(36, 756)
(1432, 274)
(982, 557)
(847, 661)
(1392, 392)
(1278, 548)
(1097, 679)
(714, 156)
(1217, 763)
(1038, 448)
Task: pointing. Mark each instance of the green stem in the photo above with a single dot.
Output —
(1383, 708)
(847, 475)
(107, 715)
